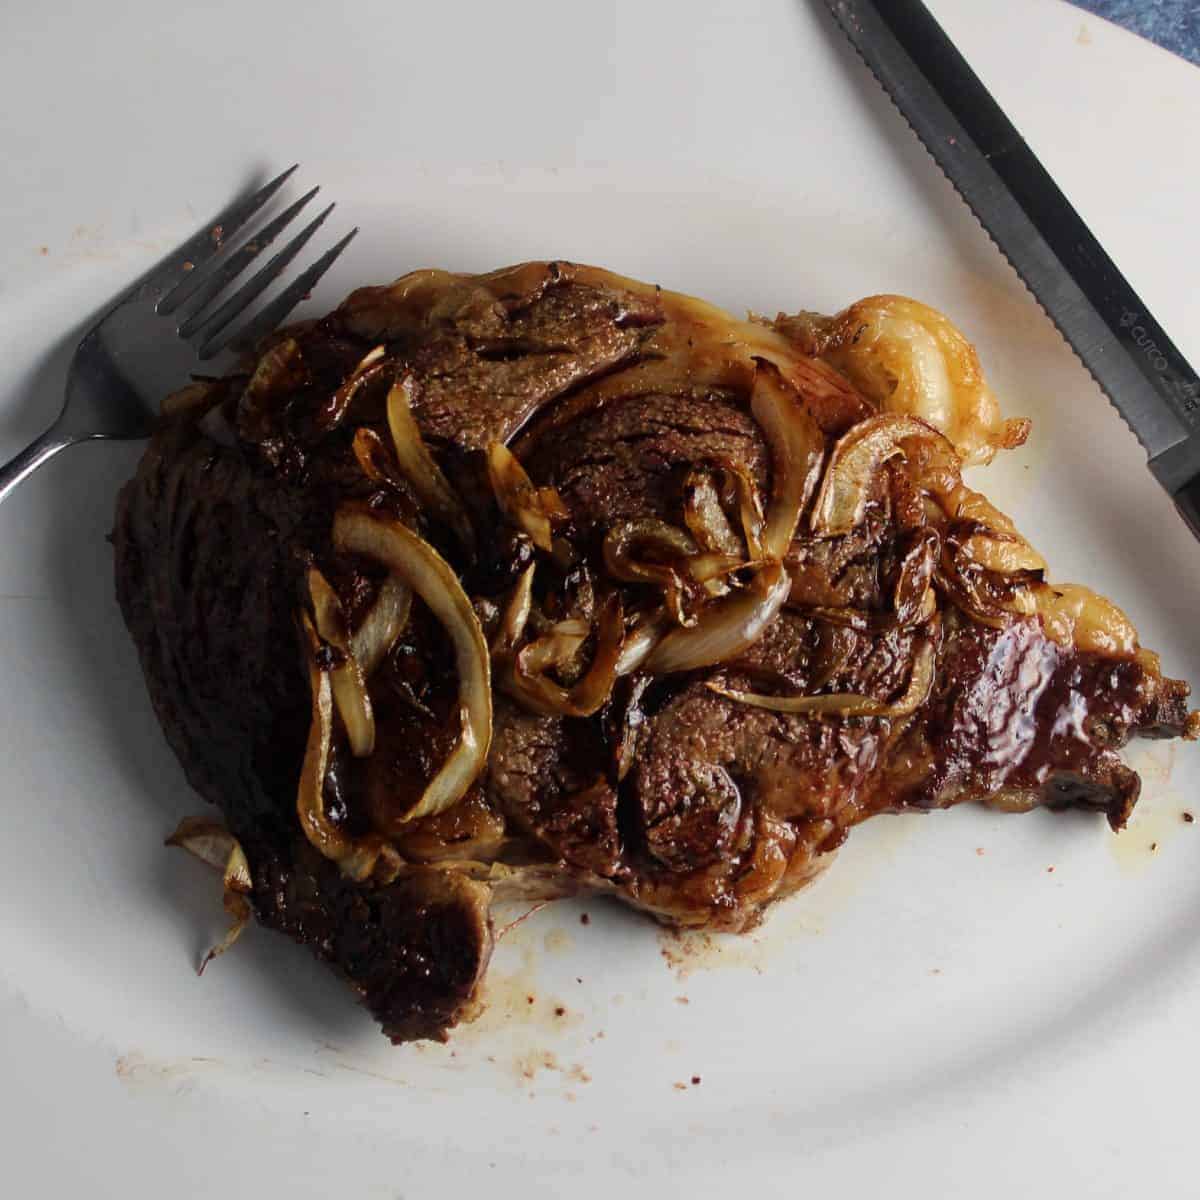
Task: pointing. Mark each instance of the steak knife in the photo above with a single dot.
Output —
(1037, 229)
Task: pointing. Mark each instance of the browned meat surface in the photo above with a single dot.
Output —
(831, 625)
(630, 458)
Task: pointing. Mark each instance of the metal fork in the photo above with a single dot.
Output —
(127, 361)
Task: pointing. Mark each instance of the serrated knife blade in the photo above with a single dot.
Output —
(1035, 226)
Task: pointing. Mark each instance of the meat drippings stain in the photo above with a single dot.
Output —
(531, 1063)
(1156, 820)
(558, 941)
(687, 951)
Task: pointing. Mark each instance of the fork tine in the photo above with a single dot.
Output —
(201, 291)
(273, 314)
(203, 245)
(208, 326)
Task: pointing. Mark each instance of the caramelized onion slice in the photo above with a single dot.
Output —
(876, 620)
(913, 600)
(1006, 554)
(556, 648)
(277, 373)
(310, 795)
(845, 617)
(418, 564)
(858, 455)
(705, 518)
(624, 541)
(1014, 799)
(751, 511)
(641, 640)
(238, 908)
(966, 590)
(847, 704)
(926, 609)
(373, 640)
(371, 858)
(346, 677)
(996, 545)
(212, 843)
(1076, 616)
(571, 627)
(555, 506)
(727, 628)
(418, 465)
(710, 568)
(333, 412)
(525, 681)
(910, 359)
(206, 839)
(797, 450)
(529, 508)
(707, 523)
(376, 461)
(516, 613)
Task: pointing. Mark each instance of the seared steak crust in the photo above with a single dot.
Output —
(683, 800)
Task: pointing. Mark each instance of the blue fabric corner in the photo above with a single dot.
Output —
(1173, 24)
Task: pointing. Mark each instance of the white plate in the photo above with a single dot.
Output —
(943, 1014)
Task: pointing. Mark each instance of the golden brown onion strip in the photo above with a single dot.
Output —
(1075, 616)
(750, 508)
(912, 595)
(212, 843)
(310, 795)
(555, 648)
(516, 613)
(373, 640)
(726, 628)
(525, 681)
(646, 633)
(333, 412)
(797, 450)
(419, 467)
(623, 541)
(376, 460)
(710, 568)
(418, 564)
(847, 704)
(346, 677)
(529, 508)
(858, 455)
(555, 506)
(910, 359)
(1004, 553)
(707, 523)
(279, 371)
(705, 518)
(205, 839)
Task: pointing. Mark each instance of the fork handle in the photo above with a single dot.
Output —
(32, 457)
